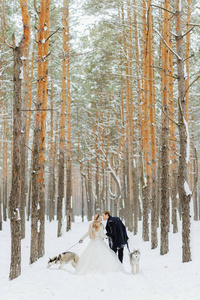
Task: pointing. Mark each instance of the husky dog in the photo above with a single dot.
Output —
(64, 258)
(134, 258)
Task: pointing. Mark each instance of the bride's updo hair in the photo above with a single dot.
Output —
(94, 226)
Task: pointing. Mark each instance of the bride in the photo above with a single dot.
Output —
(97, 257)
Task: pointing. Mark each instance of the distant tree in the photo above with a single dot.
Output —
(62, 120)
(152, 117)
(69, 152)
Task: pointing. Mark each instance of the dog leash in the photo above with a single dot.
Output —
(128, 248)
(72, 246)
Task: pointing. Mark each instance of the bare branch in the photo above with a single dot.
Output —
(167, 45)
(29, 148)
(174, 34)
(169, 117)
(171, 12)
(188, 31)
(52, 34)
(39, 109)
(13, 40)
(155, 67)
(192, 83)
(35, 7)
(189, 57)
(191, 24)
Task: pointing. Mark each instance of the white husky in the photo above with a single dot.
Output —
(134, 258)
(64, 258)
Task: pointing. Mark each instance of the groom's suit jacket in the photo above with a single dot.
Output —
(116, 232)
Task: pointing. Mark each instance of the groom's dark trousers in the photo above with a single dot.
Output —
(120, 253)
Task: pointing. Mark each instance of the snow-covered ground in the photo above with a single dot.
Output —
(160, 277)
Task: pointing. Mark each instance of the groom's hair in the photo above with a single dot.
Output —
(106, 212)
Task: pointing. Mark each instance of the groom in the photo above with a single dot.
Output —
(116, 232)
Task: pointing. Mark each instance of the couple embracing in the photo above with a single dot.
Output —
(97, 257)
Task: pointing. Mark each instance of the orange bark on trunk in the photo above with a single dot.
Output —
(36, 175)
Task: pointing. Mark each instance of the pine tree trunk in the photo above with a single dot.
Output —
(145, 131)
(24, 150)
(62, 121)
(29, 198)
(82, 198)
(51, 166)
(164, 248)
(159, 187)
(36, 205)
(154, 238)
(195, 197)
(4, 177)
(173, 156)
(174, 201)
(42, 147)
(187, 54)
(69, 154)
(15, 222)
(184, 195)
(124, 186)
(90, 204)
(199, 204)
(60, 192)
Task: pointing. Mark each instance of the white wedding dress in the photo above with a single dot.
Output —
(97, 257)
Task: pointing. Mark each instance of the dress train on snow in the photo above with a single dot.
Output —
(97, 257)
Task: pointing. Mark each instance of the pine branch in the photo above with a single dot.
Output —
(188, 31)
(192, 83)
(52, 34)
(171, 12)
(167, 45)
(189, 57)
(169, 117)
(35, 7)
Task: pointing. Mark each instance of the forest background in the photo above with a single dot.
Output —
(103, 115)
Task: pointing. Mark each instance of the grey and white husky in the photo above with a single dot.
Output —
(134, 258)
(64, 258)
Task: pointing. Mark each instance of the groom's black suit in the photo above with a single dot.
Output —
(117, 235)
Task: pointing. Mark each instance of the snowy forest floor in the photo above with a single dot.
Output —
(160, 277)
